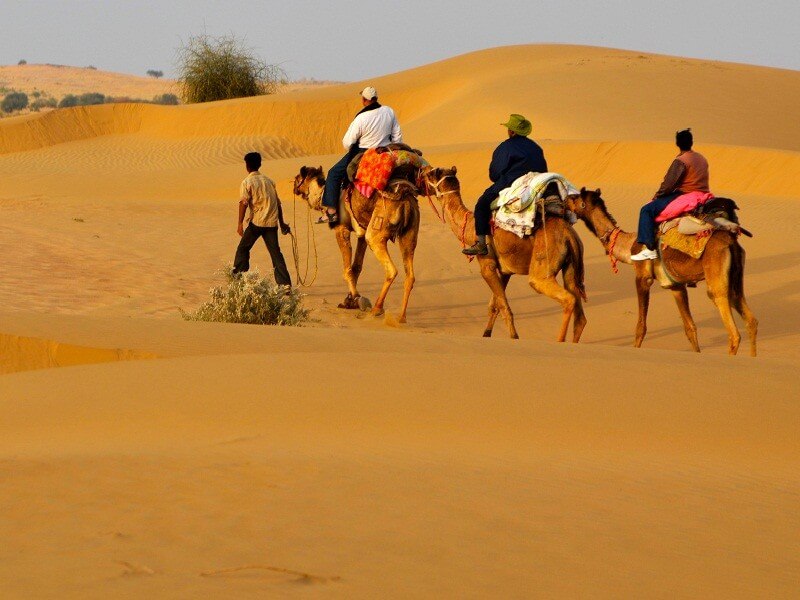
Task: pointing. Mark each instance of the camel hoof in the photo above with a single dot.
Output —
(364, 304)
(401, 320)
(377, 312)
(487, 333)
(349, 302)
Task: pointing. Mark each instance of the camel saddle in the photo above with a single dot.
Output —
(689, 233)
(523, 218)
(407, 160)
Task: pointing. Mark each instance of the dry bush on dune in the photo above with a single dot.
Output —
(221, 68)
(13, 102)
(252, 299)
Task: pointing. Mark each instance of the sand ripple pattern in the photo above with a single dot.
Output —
(138, 152)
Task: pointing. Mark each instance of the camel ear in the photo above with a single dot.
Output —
(320, 170)
(303, 171)
(583, 191)
(597, 191)
(454, 170)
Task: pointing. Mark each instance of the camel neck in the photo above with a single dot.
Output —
(462, 223)
(617, 245)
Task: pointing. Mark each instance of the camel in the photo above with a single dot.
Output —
(721, 265)
(389, 215)
(554, 247)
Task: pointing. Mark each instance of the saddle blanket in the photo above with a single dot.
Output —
(683, 204)
(517, 205)
(374, 169)
(687, 235)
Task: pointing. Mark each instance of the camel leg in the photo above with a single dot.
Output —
(491, 275)
(579, 317)
(740, 304)
(358, 258)
(682, 300)
(378, 246)
(494, 309)
(408, 244)
(718, 292)
(343, 240)
(550, 287)
(643, 282)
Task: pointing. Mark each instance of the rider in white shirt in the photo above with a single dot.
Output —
(373, 126)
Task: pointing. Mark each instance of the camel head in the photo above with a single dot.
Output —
(437, 181)
(309, 184)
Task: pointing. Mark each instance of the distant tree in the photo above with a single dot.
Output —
(91, 68)
(22, 62)
(68, 101)
(14, 101)
(170, 99)
(91, 98)
(219, 68)
(156, 74)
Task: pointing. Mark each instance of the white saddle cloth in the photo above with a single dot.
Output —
(516, 206)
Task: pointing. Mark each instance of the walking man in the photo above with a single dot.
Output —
(261, 213)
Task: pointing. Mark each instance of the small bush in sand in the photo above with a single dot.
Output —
(169, 99)
(22, 62)
(43, 102)
(154, 73)
(14, 101)
(221, 68)
(68, 101)
(91, 98)
(253, 299)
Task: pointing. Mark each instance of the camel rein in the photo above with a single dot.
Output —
(303, 279)
(438, 193)
(610, 237)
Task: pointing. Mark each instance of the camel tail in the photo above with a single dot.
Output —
(736, 274)
(406, 219)
(575, 258)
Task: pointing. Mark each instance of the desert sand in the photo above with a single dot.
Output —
(60, 80)
(358, 457)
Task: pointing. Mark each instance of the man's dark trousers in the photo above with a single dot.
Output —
(647, 219)
(337, 175)
(270, 234)
(483, 214)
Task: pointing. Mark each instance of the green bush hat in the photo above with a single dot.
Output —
(519, 125)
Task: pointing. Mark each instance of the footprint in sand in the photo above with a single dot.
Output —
(273, 574)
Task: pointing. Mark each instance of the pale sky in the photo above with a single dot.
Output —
(357, 39)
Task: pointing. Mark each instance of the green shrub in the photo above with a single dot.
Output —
(91, 98)
(41, 103)
(156, 74)
(68, 101)
(211, 68)
(14, 101)
(253, 299)
(170, 99)
(22, 62)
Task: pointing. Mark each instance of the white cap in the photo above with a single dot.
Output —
(369, 92)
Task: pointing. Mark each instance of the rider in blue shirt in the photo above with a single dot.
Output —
(511, 160)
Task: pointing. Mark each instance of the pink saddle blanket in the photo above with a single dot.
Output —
(683, 204)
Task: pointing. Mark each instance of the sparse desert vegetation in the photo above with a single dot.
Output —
(252, 299)
(221, 68)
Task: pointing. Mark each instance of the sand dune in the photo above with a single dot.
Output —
(60, 80)
(360, 458)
